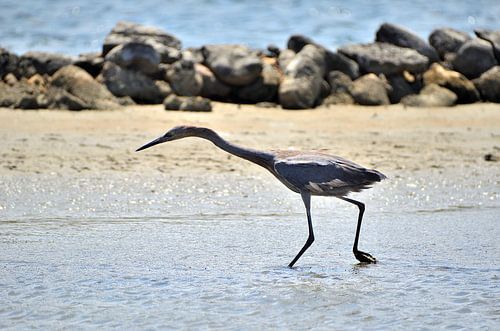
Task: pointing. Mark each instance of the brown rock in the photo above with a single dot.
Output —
(452, 80)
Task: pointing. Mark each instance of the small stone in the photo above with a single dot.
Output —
(184, 79)
(399, 36)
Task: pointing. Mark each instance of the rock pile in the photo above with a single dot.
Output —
(140, 64)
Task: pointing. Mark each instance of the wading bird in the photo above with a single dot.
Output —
(306, 173)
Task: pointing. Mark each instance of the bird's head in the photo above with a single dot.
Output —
(175, 133)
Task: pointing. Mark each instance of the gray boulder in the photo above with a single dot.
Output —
(333, 60)
(234, 65)
(370, 90)
(387, 59)
(184, 79)
(474, 57)
(489, 84)
(399, 36)
(126, 32)
(124, 82)
(431, 95)
(265, 88)
(302, 85)
(136, 56)
(453, 81)
(447, 40)
(41, 63)
(90, 62)
(493, 37)
(195, 104)
(82, 85)
(212, 88)
(8, 62)
(194, 55)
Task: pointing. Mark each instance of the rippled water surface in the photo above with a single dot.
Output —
(155, 252)
(73, 26)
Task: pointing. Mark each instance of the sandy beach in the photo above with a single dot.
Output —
(388, 138)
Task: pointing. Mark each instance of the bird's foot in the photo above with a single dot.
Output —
(364, 257)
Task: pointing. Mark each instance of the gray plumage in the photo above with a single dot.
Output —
(307, 173)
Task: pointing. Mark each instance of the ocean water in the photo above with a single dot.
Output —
(130, 251)
(74, 27)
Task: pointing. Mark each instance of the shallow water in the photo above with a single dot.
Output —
(74, 27)
(123, 251)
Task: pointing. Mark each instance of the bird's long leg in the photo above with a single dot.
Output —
(361, 256)
(306, 197)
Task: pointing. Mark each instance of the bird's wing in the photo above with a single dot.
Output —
(321, 173)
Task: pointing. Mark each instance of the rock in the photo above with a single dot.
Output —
(285, 57)
(338, 98)
(22, 95)
(493, 37)
(333, 61)
(172, 102)
(234, 65)
(82, 85)
(473, 58)
(452, 80)
(265, 88)
(431, 95)
(197, 104)
(62, 99)
(370, 90)
(8, 62)
(194, 55)
(339, 82)
(212, 88)
(10, 79)
(490, 157)
(273, 50)
(90, 62)
(302, 84)
(126, 32)
(488, 85)
(399, 36)
(41, 63)
(297, 42)
(339, 62)
(184, 79)
(447, 40)
(401, 87)
(387, 59)
(136, 56)
(124, 82)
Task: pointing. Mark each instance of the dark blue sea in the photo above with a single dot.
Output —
(74, 27)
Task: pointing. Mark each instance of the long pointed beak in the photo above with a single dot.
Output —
(152, 143)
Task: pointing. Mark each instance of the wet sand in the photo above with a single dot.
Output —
(388, 138)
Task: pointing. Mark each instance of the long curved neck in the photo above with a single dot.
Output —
(261, 158)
